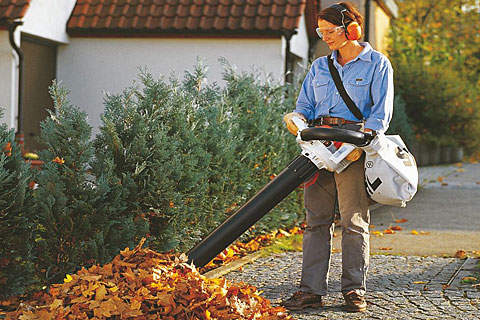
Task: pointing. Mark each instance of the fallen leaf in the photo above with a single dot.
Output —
(415, 232)
(396, 228)
(100, 293)
(443, 184)
(460, 254)
(440, 179)
(377, 233)
(469, 279)
(56, 303)
(461, 170)
(135, 304)
(372, 226)
(401, 220)
(385, 248)
(388, 231)
(420, 282)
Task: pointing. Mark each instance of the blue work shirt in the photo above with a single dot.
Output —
(368, 80)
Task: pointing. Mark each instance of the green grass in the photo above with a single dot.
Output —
(286, 244)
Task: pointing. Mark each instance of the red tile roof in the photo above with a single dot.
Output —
(91, 17)
(13, 9)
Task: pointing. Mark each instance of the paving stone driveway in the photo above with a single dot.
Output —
(391, 289)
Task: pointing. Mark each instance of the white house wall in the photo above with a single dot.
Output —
(6, 79)
(90, 66)
(48, 19)
(299, 42)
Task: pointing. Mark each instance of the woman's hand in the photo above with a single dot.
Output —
(288, 119)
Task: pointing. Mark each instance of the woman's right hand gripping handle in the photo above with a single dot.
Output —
(291, 126)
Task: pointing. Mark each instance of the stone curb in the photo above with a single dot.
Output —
(232, 266)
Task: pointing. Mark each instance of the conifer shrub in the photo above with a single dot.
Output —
(78, 220)
(400, 123)
(172, 161)
(16, 266)
(190, 153)
(266, 147)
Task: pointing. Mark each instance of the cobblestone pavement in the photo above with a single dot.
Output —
(397, 287)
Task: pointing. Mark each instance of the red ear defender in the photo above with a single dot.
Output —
(354, 31)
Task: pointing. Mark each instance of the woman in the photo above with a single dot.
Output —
(368, 78)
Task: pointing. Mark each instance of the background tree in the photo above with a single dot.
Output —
(434, 48)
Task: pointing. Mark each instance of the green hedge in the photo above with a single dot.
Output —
(192, 152)
(171, 162)
(16, 227)
(79, 219)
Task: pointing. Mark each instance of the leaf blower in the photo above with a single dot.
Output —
(318, 152)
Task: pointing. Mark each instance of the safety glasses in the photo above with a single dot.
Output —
(329, 32)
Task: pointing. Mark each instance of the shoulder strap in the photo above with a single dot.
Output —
(341, 89)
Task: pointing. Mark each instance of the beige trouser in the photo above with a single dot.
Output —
(355, 218)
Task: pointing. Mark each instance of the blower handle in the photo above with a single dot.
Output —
(357, 138)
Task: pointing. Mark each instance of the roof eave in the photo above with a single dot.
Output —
(173, 33)
(389, 6)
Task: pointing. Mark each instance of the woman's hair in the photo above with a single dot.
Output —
(333, 15)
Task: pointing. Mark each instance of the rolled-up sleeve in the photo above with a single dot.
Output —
(382, 97)
(306, 101)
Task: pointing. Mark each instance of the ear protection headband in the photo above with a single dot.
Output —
(353, 31)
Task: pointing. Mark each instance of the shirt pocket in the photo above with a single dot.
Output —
(359, 89)
(320, 89)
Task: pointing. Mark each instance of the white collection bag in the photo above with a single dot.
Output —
(391, 174)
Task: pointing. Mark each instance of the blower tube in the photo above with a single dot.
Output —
(299, 170)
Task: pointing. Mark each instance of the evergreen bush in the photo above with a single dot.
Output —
(400, 123)
(172, 160)
(78, 220)
(191, 152)
(16, 266)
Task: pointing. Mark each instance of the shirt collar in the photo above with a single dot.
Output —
(365, 54)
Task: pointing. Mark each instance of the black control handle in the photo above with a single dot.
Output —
(336, 134)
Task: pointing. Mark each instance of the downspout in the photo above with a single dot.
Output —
(12, 26)
(367, 21)
(288, 63)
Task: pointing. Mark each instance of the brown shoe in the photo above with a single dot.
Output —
(302, 300)
(354, 302)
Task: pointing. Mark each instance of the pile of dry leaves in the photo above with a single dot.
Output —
(144, 284)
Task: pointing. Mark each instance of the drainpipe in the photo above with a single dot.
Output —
(12, 25)
(367, 20)
(288, 62)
